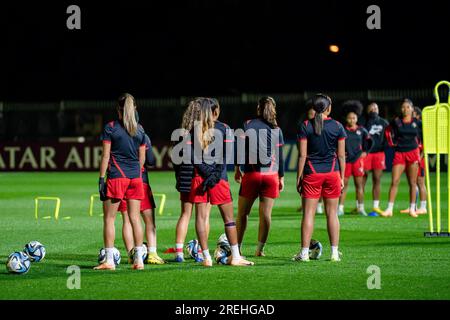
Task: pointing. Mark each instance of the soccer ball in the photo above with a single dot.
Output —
(315, 249)
(194, 250)
(102, 256)
(35, 251)
(222, 254)
(223, 240)
(18, 262)
(144, 253)
(223, 250)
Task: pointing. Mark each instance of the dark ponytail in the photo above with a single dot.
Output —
(320, 103)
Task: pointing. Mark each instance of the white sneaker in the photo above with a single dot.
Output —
(301, 258)
(340, 212)
(319, 209)
(336, 257)
(362, 213)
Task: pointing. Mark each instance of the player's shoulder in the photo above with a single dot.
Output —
(111, 125)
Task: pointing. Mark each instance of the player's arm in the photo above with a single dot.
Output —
(142, 155)
(106, 153)
(367, 144)
(341, 159)
(301, 161)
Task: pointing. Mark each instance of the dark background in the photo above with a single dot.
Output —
(223, 48)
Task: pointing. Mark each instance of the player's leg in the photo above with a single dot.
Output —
(127, 233)
(150, 233)
(376, 189)
(182, 228)
(333, 227)
(411, 174)
(110, 207)
(134, 207)
(343, 196)
(422, 195)
(201, 217)
(244, 208)
(307, 227)
(359, 186)
(226, 210)
(265, 219)
(397, 171)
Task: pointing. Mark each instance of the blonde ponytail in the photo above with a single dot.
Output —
(128, 109)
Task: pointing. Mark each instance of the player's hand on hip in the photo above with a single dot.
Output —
(238, 176)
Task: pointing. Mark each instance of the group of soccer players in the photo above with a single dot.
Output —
(330, 154)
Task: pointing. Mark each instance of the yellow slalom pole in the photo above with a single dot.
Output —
(427, 180)
(163, 202)
(36, 203)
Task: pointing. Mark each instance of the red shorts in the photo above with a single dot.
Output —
(125, 188)
(184, 196)
(256, 184)
(219, 194)
(147, 203)
(407, 158)
(355, 169)
(375, 161)
(327, 185)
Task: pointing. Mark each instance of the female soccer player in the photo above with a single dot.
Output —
(210, 181)
(184, 173)
(123, 157)
(417, 114)
(375, 160)
(403, 134)
(310, 113)
(263, 180)
(357, 145)
(320, 172)
(147, 211)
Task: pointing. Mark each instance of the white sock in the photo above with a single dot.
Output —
(151, 249)
(412, 207)
(390, 206)
(235, 252)
(423, 205)
(357, 204)
(376, 204)
(179, 249)
(260, 246)
(341, 207)
(305, 252)
(109, 256)
(138, 256)
(206, 254)
(334, 250)
(361, 207)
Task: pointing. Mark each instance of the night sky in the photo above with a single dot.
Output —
(168, 48)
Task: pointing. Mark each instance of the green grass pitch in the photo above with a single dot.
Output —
(412, 267)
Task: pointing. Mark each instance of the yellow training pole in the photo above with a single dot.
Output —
(427, 180)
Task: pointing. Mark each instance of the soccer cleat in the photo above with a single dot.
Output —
(319, 209)
(301, 258)
(153, 258)
(178, 258)
(260, 254)
(138, 266)
(377, 210)
(404, 211)
(340, 212)
(413, 213)
(362, 213)
(421, 211)
(386, 213)
(336, 257)
(105, 266)
(207, 263)
(241, 262)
